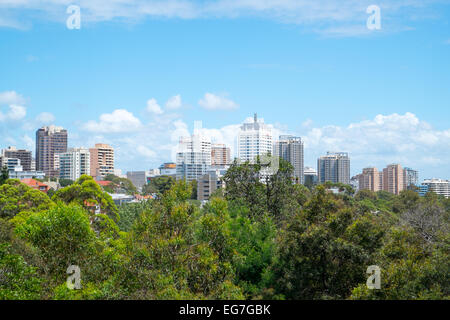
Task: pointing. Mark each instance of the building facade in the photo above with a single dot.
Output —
(254, 139)
(411, 178)
(23, 155)
(50, 140)
(138, 178)
(334, 167)
(438, 186)
(208, 183)
(193, 157)
(370, 179)
(393, 179)
(74, 163)
(291, 149)
(310, 176)
(102, 160)
(220, 155)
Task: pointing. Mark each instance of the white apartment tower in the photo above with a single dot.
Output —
(290, 148)
(193, 157)
(74, 163)
(254, 139)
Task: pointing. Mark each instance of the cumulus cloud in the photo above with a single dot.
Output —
(45, 118)
(15, 109)
(386, 138)
(11, 97)
(214, 102)
(174, 103)
(317, 16)
(153, 107)
(119, 121)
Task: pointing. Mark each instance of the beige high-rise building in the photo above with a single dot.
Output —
(220, 155)
(370, 179)
(102, 160)
(50, 140)
(393, 179)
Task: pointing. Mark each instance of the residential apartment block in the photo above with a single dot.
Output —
(334, 167)
(50, 140)
(102, 160)
(290, 148)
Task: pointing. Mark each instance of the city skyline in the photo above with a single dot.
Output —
(140, 82)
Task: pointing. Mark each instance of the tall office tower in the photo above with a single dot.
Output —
(370, 179)
(254, 139)
(50, 140)
(74, 163)
(193, 157)
(290, 148)
(220, 155)
(168, 169)
(438, 186)
(334, 167)
(102, 160)
(23, 155)
(210, 182)
(138, 178)
(310, 176)
(393, 179)
(10, 163)
(411, 178)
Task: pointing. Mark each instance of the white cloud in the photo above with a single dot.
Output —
(214, 102)
(119, 121)
(174, 103)
(386, 138)
(45, 118)
(15, 113)
(11, 97)
(318, 16)
(153, 107)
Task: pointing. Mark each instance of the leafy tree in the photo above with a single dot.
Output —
(18, 280)
(88, 194)
(65, 182)
(4, 175)
(158, 185)
(16, 197)
(324, 251)
(120, 185)
(130, 212)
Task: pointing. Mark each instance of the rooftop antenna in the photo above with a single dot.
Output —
(256, 117)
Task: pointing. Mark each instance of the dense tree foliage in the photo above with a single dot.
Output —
(262, 237)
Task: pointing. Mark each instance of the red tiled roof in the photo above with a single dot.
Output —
(35, 184)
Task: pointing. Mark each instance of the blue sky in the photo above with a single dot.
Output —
(139, 73)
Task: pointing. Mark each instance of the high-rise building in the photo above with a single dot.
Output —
(193, 157)
(438, 186)
(334, 167)
(411, 178)
(23, 155)
(370, 179)
(10, 163)
(290, 148)
(102, 160)
(310, 176)
(208, 183)
(138, 178)
(50, 140)
(393, 179)
(254, 139)
(168, 169)
(220, 155)
(74, 163)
